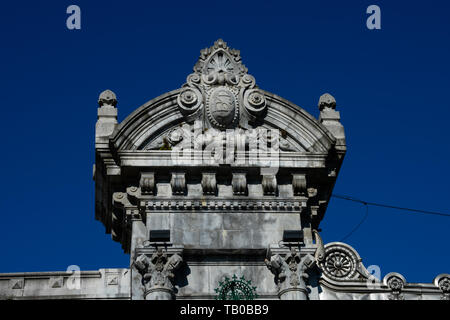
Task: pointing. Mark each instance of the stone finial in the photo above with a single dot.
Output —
(107, 97)
(327, 101)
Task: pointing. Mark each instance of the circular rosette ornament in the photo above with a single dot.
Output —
(189, 100)
(222, 107)
(340, 263)
(236, 289)
(254, 102)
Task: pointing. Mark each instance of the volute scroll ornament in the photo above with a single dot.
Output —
(158, 273)
(254, 102)
(189, 100)
(442, 281)
(339, 262)
(291, 273)
(395, 282)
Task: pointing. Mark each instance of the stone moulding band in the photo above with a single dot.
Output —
(291, 289)
(226, 205)
(158, 289)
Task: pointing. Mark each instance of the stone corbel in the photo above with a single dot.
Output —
(269, 184)
(239, 183)
(147, 183)
(157, 272)
(178, 183)
(209, 183)
(299, 184)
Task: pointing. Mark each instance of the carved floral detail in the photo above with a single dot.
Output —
(339, 263)
(396, 285)
(254, 102)
(444, 286)
(290, 271)
(189, 100)
(158, 271)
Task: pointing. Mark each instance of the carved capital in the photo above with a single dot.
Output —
(290, 270)
(158, 270)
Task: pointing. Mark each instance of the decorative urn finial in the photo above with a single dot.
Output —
(107, 97)
(327, 101)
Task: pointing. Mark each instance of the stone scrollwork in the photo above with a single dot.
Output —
(147, 183)
(220, 82)
(209, 183)
(299, 184)
(444, 286)
(269, 184)
(189, 100)
(442, 281)
(239, 183)
(320, 251)
(339, 262)
(254, 102)
(158, 272)
(395, 282)
(178, 183)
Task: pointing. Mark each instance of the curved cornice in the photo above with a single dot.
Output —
(161, 114)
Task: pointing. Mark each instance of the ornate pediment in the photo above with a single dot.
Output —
(220, 93)
(220, 102)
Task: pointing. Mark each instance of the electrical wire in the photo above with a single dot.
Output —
(358, 225)
(389, 206)
(367, 204)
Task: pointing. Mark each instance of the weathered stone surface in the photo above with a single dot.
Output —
(227, 168)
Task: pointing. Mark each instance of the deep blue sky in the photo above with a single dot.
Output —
(391, 86)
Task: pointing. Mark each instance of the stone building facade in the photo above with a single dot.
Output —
(217, 190)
